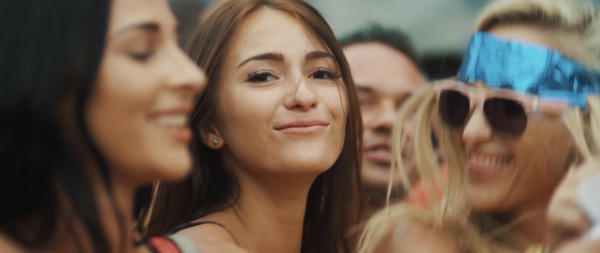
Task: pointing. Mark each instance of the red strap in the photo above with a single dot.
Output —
(164, 245)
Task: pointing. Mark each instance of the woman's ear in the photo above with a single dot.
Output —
(211, 137)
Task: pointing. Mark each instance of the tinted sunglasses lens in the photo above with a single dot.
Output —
(505, 116)
(454, 108)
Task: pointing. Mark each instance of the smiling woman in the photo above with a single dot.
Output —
(277, 135)
(94, 101)
(521, 113)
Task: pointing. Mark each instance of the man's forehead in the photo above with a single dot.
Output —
(382, 69)
(385, 89)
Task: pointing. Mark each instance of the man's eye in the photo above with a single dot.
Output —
(364, 103)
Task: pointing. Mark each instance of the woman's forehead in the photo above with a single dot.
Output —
(269, 30)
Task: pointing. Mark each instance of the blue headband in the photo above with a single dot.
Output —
(527, 68)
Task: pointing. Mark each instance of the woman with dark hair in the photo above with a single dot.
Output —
(277, 135)
(94, 99)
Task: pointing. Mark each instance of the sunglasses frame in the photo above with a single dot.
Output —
(478, 96)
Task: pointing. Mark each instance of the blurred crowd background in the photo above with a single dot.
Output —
(439, 29)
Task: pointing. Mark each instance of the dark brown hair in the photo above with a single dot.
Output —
(333, 200)
(51, 53)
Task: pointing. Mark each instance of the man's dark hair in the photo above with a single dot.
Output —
(188, 16)
(388, 36)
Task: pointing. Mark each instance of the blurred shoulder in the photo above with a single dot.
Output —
(212, 237)
(411, 236)
(210, 246)
(8, 246)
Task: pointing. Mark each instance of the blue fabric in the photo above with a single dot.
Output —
(528, 68)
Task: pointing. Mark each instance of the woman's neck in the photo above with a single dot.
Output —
(533, 222)
(269, 213)
(529, 221)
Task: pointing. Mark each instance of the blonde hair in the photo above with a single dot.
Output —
(450, 212)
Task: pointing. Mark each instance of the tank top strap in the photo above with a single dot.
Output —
(193, 224)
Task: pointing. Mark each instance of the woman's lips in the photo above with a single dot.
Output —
(486, 166)
(174, 124)
(379, 151)
(303, 130)
(183, 134)
(379, 156)
(305, 127)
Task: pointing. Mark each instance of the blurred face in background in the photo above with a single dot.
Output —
(138, 110)
(384, 79)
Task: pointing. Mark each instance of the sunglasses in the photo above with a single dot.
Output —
(506, 111)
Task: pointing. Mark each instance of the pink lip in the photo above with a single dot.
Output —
(378, 156)
(302, 127)
(183, 134)
(480, 173)
(381, 143)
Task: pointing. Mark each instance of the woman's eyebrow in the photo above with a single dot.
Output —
(271, 56)
(146, 26)
(318, 55)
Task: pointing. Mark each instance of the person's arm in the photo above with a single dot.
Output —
(413, 237)
(568, 222)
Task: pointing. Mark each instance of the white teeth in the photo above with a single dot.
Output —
(489, 161)
(179, 120)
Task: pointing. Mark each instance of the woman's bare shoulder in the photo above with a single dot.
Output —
(212, 237)
(213, 246)
(8, 246)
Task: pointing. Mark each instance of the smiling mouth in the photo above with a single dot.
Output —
(175, 125)
(483, 166)
(303, 127)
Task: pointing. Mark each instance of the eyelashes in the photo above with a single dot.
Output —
(141, 56)
(260, 77)
(267, 76)
(325, 74)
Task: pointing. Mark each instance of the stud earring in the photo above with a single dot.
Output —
(215, 142)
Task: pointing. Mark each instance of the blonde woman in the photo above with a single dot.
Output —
(523, 110)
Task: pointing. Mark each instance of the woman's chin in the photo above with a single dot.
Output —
(485, 201)
(174, 169)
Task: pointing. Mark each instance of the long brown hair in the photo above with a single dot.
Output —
(333, 200)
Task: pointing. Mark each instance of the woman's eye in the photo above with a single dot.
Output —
(259, 77)
(141, 56)
(324, 74)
